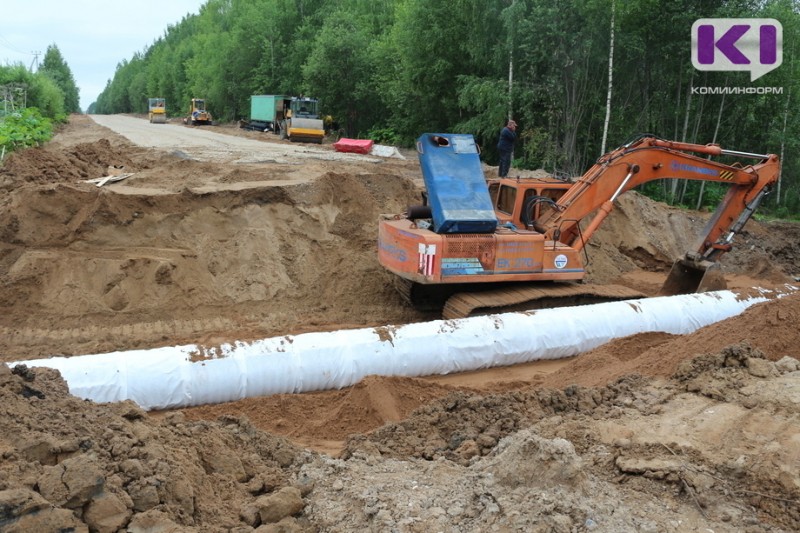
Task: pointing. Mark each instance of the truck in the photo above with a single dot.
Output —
(520, 242)
(266, 112)
(291, 117)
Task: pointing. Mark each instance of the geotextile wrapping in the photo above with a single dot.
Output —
(182, 376)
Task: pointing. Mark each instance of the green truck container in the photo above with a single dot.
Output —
(266, 111)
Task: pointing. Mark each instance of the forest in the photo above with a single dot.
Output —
(579, 77)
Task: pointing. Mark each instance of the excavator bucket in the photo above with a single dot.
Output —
(688, 276)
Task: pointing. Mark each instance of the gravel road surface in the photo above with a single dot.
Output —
(203, 144)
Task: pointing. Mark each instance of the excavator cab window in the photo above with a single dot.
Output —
(553, 194)
(537, 200)
(506, 198)
(494, 188)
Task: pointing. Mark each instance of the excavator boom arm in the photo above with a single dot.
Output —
(649, 159)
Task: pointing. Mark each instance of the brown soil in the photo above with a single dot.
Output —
(652, 432)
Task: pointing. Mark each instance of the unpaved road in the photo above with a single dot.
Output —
(203, 144)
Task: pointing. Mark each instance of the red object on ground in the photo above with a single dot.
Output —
(358, 146)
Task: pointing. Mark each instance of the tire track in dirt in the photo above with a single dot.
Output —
(30, 339)
(147, 333)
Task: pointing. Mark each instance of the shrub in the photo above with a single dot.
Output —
(24, 129)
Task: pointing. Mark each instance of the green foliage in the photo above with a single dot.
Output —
(54, 67)
(789, 208)
(485, 118)
(383, 136)
(337, 71)
(40, 90)
(24, 129)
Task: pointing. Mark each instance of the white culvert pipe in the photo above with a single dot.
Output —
(183, 376)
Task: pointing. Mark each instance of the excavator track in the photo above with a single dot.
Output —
(533, 296)
(426, 298)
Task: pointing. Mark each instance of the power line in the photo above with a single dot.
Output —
(5, 43)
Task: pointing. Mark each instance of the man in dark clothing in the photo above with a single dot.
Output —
(505, 146)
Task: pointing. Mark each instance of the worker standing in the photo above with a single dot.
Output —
(505, 146)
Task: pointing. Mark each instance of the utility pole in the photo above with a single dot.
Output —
(35, 60)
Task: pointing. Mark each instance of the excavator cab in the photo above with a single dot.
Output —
(522, 201)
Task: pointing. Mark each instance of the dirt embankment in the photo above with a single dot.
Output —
(648, 433)
(187, 251)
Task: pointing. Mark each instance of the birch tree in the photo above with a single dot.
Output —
(610, 79)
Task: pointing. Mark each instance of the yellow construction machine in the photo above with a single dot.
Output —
(198, 114)
(157, 110)
(301, 120)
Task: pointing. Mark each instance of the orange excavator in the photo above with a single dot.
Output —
(519, 243)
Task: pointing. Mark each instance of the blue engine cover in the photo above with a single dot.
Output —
(457, 190)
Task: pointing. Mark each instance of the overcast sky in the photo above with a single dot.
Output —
(92, 35)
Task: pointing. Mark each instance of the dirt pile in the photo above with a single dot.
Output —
(213, 261)
(72, 464)
(81, 162)
(689, 453)
(769, 328)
